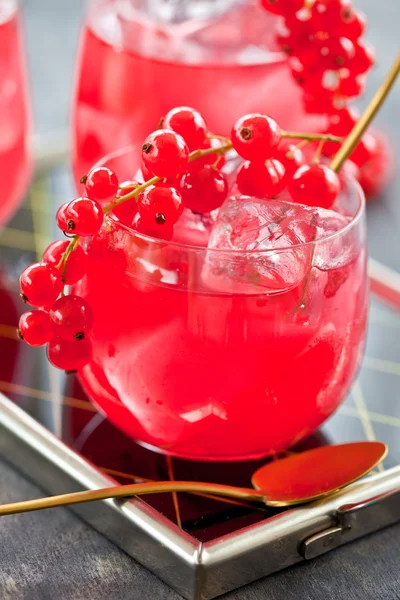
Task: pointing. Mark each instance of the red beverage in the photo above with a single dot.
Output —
(132, 70)
(201, 353)
(14, 114)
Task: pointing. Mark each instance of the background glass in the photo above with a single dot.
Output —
(139, 58)
(14, 112)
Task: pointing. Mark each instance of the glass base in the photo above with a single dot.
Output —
(207, 458)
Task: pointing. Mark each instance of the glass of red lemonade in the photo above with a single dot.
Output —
(214, 346)
(15, 156)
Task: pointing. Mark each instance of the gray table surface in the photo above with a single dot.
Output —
(53, 555)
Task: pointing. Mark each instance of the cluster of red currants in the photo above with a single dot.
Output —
(327, 57)
(181, 168)
(329, 60)
(273, 163)
(62, 322)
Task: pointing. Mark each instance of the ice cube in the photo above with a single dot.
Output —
(174, 12)
(276, 236)
(334, 251)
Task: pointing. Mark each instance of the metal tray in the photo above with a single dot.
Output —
(200, 546)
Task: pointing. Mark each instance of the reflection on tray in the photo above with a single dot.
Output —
(372, 410)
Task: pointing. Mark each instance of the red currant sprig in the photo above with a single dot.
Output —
(75, 267)
(328, 59)
(180, 179)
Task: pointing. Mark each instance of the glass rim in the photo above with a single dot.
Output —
(149, 239)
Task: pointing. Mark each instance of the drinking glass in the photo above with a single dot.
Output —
(14, 113)
(196, 355)
(139, 58)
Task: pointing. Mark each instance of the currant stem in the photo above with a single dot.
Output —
(214, 136)
(133, 194)
(298, 146)
(317, 155)
(311, 137)
(196, 154)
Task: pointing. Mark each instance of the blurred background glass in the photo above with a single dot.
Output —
(53, 28)
(14, 111)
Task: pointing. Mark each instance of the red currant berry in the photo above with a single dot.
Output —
(84, 217)
(309, 66)
(218, 160)
(376, 172)
(60, 217)
(351, 86)
(314, 185)
(363, 60)
(165, 153)
(126, 212)
(71, 318)
(255, 137)
(322, 104)
(147, 175)
(189, 123)
(69, 356)
(327, 14)
(76, 262)
(40, 285)
(282, 7)
(342, 121)
(101, 184)
(294, 35)
(335, 53)
(318, 85)
(264, 180)
(34, 328)
(160, 204)
(364, 150)
(290, 156)
(353, 28)
(203, 188)
(154, 230)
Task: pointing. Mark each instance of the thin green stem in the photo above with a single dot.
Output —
(311, 137)
(74, 241)
(133, 194)
(298, 146)
(196, 154)
(214, 136)
(317, 155)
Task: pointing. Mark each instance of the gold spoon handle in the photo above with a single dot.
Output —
(133, 489)
(359, 128)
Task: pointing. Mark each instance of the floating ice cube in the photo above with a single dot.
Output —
(334, 251)
(277, 236)
(274, 234)
(179, 11)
